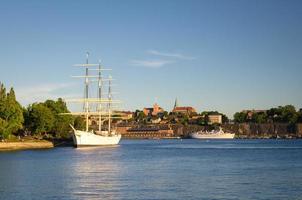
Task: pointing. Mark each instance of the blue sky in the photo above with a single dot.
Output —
(222, 55)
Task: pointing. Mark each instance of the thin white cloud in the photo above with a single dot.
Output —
(151, 63)
(38, 93)
(158, 63)
(173, 55)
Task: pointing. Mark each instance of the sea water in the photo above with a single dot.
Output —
(157, 169)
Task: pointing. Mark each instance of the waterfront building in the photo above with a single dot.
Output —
(146, 131)
(183, 109)
(126, 115)
(153, 111)
(215, 119)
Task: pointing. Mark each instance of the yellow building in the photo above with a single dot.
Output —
(153, 111)
(126, 115)
(215, 119)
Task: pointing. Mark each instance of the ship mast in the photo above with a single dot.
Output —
(100, 96)
(86, 101)
(109, 105)
(86, 93)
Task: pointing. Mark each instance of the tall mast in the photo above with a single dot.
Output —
(86, 92)
(100, 96)
(109, 105)
(98, 100)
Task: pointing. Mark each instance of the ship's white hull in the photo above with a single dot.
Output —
(213, 135)
(83, 138)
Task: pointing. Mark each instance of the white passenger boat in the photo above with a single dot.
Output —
(220, 134)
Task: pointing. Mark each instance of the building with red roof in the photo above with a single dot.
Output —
(183, 109)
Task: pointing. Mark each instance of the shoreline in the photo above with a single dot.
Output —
(45, 144)
(25, 145)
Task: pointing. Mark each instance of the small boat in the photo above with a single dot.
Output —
(214, 134)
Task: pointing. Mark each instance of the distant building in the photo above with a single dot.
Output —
(153, 111)
(183, 109)
(215, 119)
(126, 115)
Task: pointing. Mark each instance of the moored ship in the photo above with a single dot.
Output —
(86, 138)
(220, 134)
(105, 135)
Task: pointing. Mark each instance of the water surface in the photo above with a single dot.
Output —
(157, 169)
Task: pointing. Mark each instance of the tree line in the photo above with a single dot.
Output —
(178, 118)
(45, 118)
(36, 119)
(281, 114)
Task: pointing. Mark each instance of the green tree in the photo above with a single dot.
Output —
(61, 123)
(289, 114)
(284, 114)
(40, 118)
(4, 131)
(184, 119)
(260, 117)
(240, 117)
(300, 116)
(47, 118)
(79, 123)
(14, 112)
(225, 118)
(274, 114)
(139, 116)
(2, 92)
(165, 115)
(11, 114)
(202, 121)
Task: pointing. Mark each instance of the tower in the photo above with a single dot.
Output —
(176, 103)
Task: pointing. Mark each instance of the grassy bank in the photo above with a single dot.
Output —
(26, 144)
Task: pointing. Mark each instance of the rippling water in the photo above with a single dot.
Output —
(157, 169)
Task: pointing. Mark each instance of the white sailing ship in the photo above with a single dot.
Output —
(220, 134)
(103, 110)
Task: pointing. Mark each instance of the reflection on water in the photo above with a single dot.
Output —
(95, 173)
(97, 148)
(157, 169)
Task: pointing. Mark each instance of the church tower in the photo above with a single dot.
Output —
(175, 104)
